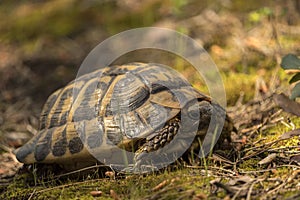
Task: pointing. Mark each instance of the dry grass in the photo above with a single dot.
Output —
(36, 61)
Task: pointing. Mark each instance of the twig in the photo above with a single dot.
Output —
(5, 148)
(211, 167)
(250, 190)
(31, 195)
(66, 185)
(80, 170)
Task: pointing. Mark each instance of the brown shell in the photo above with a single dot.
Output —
(110, 106)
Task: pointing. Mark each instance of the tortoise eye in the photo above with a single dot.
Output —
(193, 111)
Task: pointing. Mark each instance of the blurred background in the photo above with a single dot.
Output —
(42, 44)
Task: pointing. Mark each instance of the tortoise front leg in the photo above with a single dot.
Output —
(153, 145)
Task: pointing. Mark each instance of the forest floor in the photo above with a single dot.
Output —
(42, 47)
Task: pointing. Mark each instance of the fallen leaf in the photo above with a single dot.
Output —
(16, 139)
(236, 186)
(3, 171)
(190, 193)
(160, 186)
(110, 174)
(240, 180)
(96, 193)
(296, 159)
(268, 159)
(8, 165)
(293, 176)
(114, 195)
(290, 134)
(219, 158)
(175, 179)
(200, 196)
(287, 104)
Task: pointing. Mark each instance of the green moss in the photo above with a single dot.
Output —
(249, 165)
(180, 183)
(31, 23)
(244, 83)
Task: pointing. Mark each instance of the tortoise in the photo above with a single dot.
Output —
(137, 108)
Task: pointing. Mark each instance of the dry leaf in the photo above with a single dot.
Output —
(110, 174)
(240, 180)
(8, 165)
(296, 159)
(175, 179)
(96, 193)
(290, 134)
(160, 186)
(268, 159)
(287, 104)
(114, 195)
(293, 176)
(200, 196)
(16, 139)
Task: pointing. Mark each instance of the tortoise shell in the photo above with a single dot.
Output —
(137, 107)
